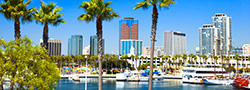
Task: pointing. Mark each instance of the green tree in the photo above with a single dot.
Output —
(145, 5)
(36, 69)
(48, 14)
(16, 10)
(102, 12)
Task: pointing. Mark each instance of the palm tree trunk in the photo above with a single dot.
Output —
(136, 64)
(153, 34)
(100, 50)
(237, 66)
(45, 36)
(17, 29)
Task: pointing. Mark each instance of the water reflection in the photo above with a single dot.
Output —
(112, 84)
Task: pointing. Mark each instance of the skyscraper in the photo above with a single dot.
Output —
(133, 47)
(54, 46)
(208, 36)
(94, 45)
(128, 30)
(174, 43)
(223, 23)
(75, 45)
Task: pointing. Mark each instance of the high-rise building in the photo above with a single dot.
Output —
(75, 45)
(246, 49)
(54, 46)
(133, 47)
(208, 36)
(128, 30)
(94, 45)
(223, 23)
(174, 43)
(158, 50)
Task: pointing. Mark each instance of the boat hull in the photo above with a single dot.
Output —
(218, 82)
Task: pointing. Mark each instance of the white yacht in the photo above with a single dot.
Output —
(195, 74)
(123, 76)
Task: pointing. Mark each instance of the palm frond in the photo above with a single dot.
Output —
(16, 9)
(165, 3)
(49, 14)
(86, 17)
(143, 5)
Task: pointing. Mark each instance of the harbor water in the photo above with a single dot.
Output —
(112, 84)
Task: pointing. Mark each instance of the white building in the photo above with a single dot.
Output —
(158, 50)
(246, 49)
(86, 50)
(174, 43)
(223, 23)
(54, 46)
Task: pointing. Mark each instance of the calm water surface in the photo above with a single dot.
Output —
(112, 84)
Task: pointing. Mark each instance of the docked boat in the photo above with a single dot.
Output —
(158, 75)
(195, 74)
(122, 76)
(134, 76)
(217, 82)
(242, 82)
(76, 78)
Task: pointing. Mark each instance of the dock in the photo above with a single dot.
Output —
(89, 76)
(110, 76)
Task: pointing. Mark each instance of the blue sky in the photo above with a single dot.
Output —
(184, 16)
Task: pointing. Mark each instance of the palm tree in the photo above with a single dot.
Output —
(174, 61)
(237, 61)
(179, 62)
(184, 58)
(160, 57)
(48, 14)
(136, 57)
(215, 61)
(227, 59)
(102, 12)
(141, 60)
(195, 59)
(16, 10)
(166, 59)
(106, 57)
(145, 5)
(132, 57)
(200, 57)
(126, 57)
(206, 58)
(69, 59)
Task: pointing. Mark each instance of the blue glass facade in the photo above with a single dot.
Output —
(207, 40)
(75, 45)
(126, 46)
(94, 45)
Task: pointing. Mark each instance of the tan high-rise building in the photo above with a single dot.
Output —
(246, 49)
(128, 30)
(54, 47)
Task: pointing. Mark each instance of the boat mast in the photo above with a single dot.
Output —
(214, 64)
